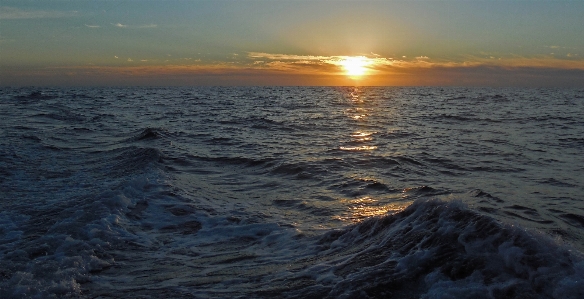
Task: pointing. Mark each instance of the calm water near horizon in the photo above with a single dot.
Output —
(291, 192)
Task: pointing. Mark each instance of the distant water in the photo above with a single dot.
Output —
(291, 192)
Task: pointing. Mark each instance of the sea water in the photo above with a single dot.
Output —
(291, 192)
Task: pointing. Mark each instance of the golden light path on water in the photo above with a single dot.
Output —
(364, 207)
(361, 141)
(359, 112)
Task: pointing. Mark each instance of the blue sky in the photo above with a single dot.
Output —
(277, 42)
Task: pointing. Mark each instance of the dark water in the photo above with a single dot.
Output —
(291, 193)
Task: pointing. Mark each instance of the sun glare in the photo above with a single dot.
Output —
(355, 66)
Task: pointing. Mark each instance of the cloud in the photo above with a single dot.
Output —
(378, 65)
(540, 61)
(92, 26)
(286, 56)
(120, 25)
(11, 13)
(325, 64)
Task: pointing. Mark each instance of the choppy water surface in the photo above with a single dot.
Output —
(291, 193)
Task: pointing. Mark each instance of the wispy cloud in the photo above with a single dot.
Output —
(11, 13)
(120, 25)
(92, 26)
(514, 61)
(286, 56)
(379, 65)
(327, 64)
(559, 47)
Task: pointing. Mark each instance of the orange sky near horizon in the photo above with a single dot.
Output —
(281, 69)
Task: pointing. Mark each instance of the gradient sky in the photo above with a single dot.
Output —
(279, 42)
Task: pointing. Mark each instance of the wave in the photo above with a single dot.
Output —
(244, 161)
(51, 250)
(245, 193)
(431, 249)
(572, 142)
(35, 96)
(466, 118)
(436, 249)
(150, 134)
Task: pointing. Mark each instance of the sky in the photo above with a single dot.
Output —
(537, 43)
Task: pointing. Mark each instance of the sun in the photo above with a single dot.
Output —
(355, 66)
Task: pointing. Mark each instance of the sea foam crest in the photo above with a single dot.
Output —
(58, 262)
(436, 249)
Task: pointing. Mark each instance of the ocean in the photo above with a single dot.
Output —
(291, 192)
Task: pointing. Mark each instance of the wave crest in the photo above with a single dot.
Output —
(436, 249)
